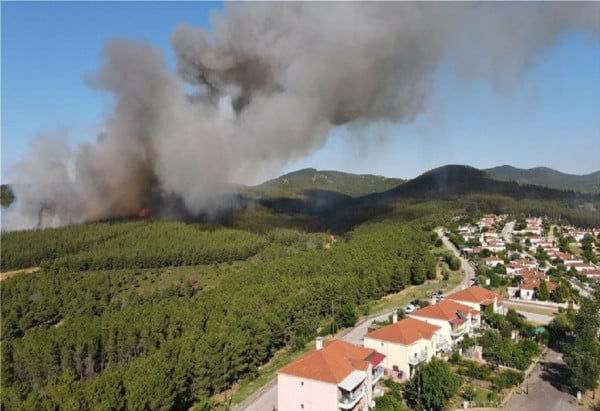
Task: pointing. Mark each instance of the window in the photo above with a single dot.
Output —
(302, 383)
(301, 406)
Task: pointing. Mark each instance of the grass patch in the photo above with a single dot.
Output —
(419, 292)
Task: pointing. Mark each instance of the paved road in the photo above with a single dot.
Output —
(266, 398)
(507, 231)
(546, 388)
(466, 267)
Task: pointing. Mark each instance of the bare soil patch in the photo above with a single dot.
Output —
(8, 274)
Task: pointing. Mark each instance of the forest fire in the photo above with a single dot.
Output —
(144, 212)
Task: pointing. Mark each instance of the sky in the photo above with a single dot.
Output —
(550, 117)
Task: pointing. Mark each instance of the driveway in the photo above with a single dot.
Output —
(547, 390)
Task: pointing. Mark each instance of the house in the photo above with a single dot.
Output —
(454, 319)
(581, 268)
(529, 286)
(477, 298)
(525, 263)
(492, 261)
(405, 344)
(495, 246)
(336, 375)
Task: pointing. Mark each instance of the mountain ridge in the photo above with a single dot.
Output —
(548, 177)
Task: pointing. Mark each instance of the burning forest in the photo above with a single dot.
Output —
(265, 87)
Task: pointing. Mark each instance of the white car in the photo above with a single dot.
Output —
(409, 308)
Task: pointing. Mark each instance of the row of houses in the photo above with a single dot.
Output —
(338, 375)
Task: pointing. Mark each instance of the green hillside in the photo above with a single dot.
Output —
(354, 185)
(547, 177)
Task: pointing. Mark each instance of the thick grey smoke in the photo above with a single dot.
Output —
(268, 86)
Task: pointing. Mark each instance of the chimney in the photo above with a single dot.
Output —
(319, 344)
(395, 317)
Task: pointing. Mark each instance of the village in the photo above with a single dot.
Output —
(488, 330)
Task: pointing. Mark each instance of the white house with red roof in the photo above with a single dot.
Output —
(335, 376)
(530, 285)
(478, 298)
(406, 344)
(582, 267)
(492, 261)
(454, 319)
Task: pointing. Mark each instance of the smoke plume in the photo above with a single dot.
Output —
(267, 88)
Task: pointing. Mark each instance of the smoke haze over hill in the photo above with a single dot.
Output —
(266, 89)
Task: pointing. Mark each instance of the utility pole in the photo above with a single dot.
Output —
(332, 320)
(419, 387)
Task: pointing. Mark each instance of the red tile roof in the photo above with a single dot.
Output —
(333, 363)
(405, 331)
(534, 283)
(444, 310)
(475, 294)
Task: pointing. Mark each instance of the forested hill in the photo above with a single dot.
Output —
(547, 177)
(354, 185)
(454, 180)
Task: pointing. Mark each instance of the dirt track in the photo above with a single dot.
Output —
(8, 274)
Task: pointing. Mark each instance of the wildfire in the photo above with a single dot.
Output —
(144, 212)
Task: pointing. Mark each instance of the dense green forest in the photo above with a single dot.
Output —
(81, 338)
(184, 310)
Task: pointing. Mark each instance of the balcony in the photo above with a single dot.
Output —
(377, 374)
(417, 358)
(349, 400)
(458, 331)
(442, 345)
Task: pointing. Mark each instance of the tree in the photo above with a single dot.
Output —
(543, 294)
(582, 357)
(562, 324)
(346, 316)
(418, 272)
(561, 293)
(432, 386)
(388, 403)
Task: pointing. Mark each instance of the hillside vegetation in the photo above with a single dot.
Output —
(352, 185)
(105, 339)
(547, 177)
(185, 310)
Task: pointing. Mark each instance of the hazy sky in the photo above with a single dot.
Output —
(550, 117)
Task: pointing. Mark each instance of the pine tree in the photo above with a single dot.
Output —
(543, 294)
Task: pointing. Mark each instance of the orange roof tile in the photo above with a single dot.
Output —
(444, 310)
(405, 331)
(334, 362)
(475, 294)
(534, 283)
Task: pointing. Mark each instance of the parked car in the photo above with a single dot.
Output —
(409, 308)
